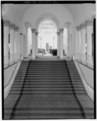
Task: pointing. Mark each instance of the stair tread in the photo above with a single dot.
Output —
(48, 91)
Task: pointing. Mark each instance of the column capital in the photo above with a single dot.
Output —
(83, 26)
(21, 33)
(61, 30)
(78, 28)
(58, 33)
(94, 16)
(12, 26)
(36, 33)
(67, 24)
(27, 25)
(33, 30)
(6, 23)
(16, 28)
(89, 22)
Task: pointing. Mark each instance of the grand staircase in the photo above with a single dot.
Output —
(48, 90)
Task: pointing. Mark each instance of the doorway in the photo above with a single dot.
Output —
(47, 38)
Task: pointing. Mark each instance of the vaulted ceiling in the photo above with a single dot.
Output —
(15, 12)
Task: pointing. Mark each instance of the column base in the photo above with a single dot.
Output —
(61, 58)
(33, 58)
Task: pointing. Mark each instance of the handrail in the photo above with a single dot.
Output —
(84, 77)
(86, 60)
(11, 77)
(84, 64)
(9, 64)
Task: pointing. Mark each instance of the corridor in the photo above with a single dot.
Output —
(48, 53)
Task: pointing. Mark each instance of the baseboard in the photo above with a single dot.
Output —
(88, 89)
(8, 87)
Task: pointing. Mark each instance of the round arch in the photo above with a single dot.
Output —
(47, 16)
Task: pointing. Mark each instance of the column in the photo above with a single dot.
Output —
(36, 43)
(33, 43)
(58, 44)
(70, 44)
(64, 42)
(21, 48)
(67, 26)
(6, 39)
(79, 42)
(12, 36)
(26, 40)
(67, 42)
(23, 44)
(61, 43)
(89, 41)
(16, 44)
(83, 42)
(76, 43)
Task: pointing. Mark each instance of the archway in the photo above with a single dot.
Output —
(47, 38)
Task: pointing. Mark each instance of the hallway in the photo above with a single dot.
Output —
(48, 53)
(46, 91)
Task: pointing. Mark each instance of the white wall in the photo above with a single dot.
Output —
(9, 77)
(87, 79)
(88, 74)
(8, 72)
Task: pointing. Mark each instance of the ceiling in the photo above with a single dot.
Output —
(15, 12)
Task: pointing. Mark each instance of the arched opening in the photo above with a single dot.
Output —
(47, 38)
